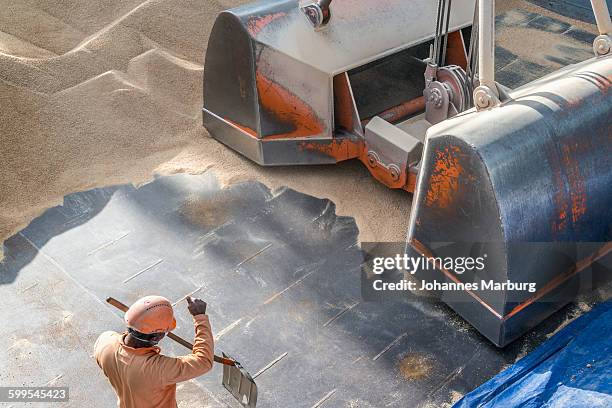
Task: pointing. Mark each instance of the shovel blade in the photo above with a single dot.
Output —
(240, 384)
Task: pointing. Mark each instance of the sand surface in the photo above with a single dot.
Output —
(96, 93)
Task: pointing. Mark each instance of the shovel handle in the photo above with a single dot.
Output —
(221, 360)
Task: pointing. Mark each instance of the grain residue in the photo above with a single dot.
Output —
(415, 366)
(211, 211)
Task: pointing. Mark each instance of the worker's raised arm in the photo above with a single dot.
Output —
(200, 361)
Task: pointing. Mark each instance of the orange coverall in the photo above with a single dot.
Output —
(142, 377)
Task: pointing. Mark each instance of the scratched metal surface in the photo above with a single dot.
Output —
(281, 274)
(531, 46)
(578, 9)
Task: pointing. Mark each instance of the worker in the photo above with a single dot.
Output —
(139, 374)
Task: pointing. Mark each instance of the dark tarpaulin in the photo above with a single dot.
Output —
(572, 369)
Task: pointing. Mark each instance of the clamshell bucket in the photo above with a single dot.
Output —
(526, 187)
(281, 92)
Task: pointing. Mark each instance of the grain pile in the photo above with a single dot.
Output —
(103, 92)
(98, 93)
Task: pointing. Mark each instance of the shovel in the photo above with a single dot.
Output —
(235, 378)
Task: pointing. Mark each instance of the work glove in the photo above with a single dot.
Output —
(196, 306)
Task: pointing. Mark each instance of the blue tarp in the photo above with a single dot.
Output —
(571, 369)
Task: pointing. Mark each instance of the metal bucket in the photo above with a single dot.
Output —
(529, 184)
(275, 89)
